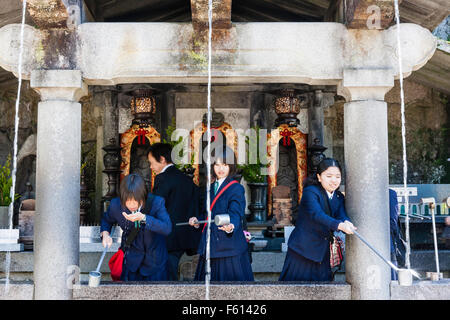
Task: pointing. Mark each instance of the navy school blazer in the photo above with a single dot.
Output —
(231, 202)
(148, 251)
(182, 200)
(310, 238)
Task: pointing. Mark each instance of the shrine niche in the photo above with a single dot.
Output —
(218, 126)
(135, 141)
(292, 143)
(287, 151)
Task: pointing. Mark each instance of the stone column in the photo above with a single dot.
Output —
(106, 97)
(315, 118)
(367, 179)
(320, 101)
(56, 224)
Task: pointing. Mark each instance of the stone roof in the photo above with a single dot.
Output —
(427, 13)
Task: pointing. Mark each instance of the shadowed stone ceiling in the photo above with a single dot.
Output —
(180, 10)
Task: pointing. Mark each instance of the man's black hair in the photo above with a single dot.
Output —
(159, 150)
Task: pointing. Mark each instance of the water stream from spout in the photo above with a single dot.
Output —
(208, 160)
(405, 161)
(16, 130)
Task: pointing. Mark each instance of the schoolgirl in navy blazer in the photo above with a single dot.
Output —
(146, 258)
(310, 237)
(308, 256)
(231, 202)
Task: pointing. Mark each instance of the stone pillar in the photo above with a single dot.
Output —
(56, 226)
(367, 179)
(106, 96)
(320, 101)
(315, 118)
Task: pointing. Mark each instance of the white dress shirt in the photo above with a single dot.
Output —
(169, 165)
(330, 195)
(220, 181)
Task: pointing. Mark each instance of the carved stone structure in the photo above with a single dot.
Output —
(282, 205)
(61, 60)
(111, 161)
(286, 135)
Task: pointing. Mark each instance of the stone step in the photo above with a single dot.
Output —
(420, 290)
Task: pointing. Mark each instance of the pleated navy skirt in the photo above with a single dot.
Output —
(298, 268)
(237, 268)
(127, 275)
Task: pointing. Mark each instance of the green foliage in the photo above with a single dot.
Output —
(252, 171)
(427, 154)
(6, 183)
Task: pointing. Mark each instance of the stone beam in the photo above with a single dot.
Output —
(48, 14)
(368, 14)
(221, 14)
(310, 53)
(222, 33)
(57, 21)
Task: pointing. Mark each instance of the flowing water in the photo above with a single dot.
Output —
(16, 130)
(405, 161)
(208, 160)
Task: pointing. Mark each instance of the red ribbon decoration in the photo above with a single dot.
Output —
(286, 134)
(215, 132)
(141, 134)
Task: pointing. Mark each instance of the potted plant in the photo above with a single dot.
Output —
(5, 189)
(256, 181)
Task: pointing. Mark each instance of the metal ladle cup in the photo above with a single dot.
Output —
(219, 220)
(405, 277)
(95, 276)
(222, 219)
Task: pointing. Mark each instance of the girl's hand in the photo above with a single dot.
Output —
(347, 227)
(228, 228)
(193, 222)
(106, 239)
(138, 216)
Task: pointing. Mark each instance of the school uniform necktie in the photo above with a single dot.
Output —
(216, 186)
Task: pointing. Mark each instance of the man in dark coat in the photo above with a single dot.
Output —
(181, 197)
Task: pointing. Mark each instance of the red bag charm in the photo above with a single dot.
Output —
(115, 265)
(336, 248)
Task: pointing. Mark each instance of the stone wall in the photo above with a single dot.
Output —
(27, 127)
(427, 114)
(28, 109)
